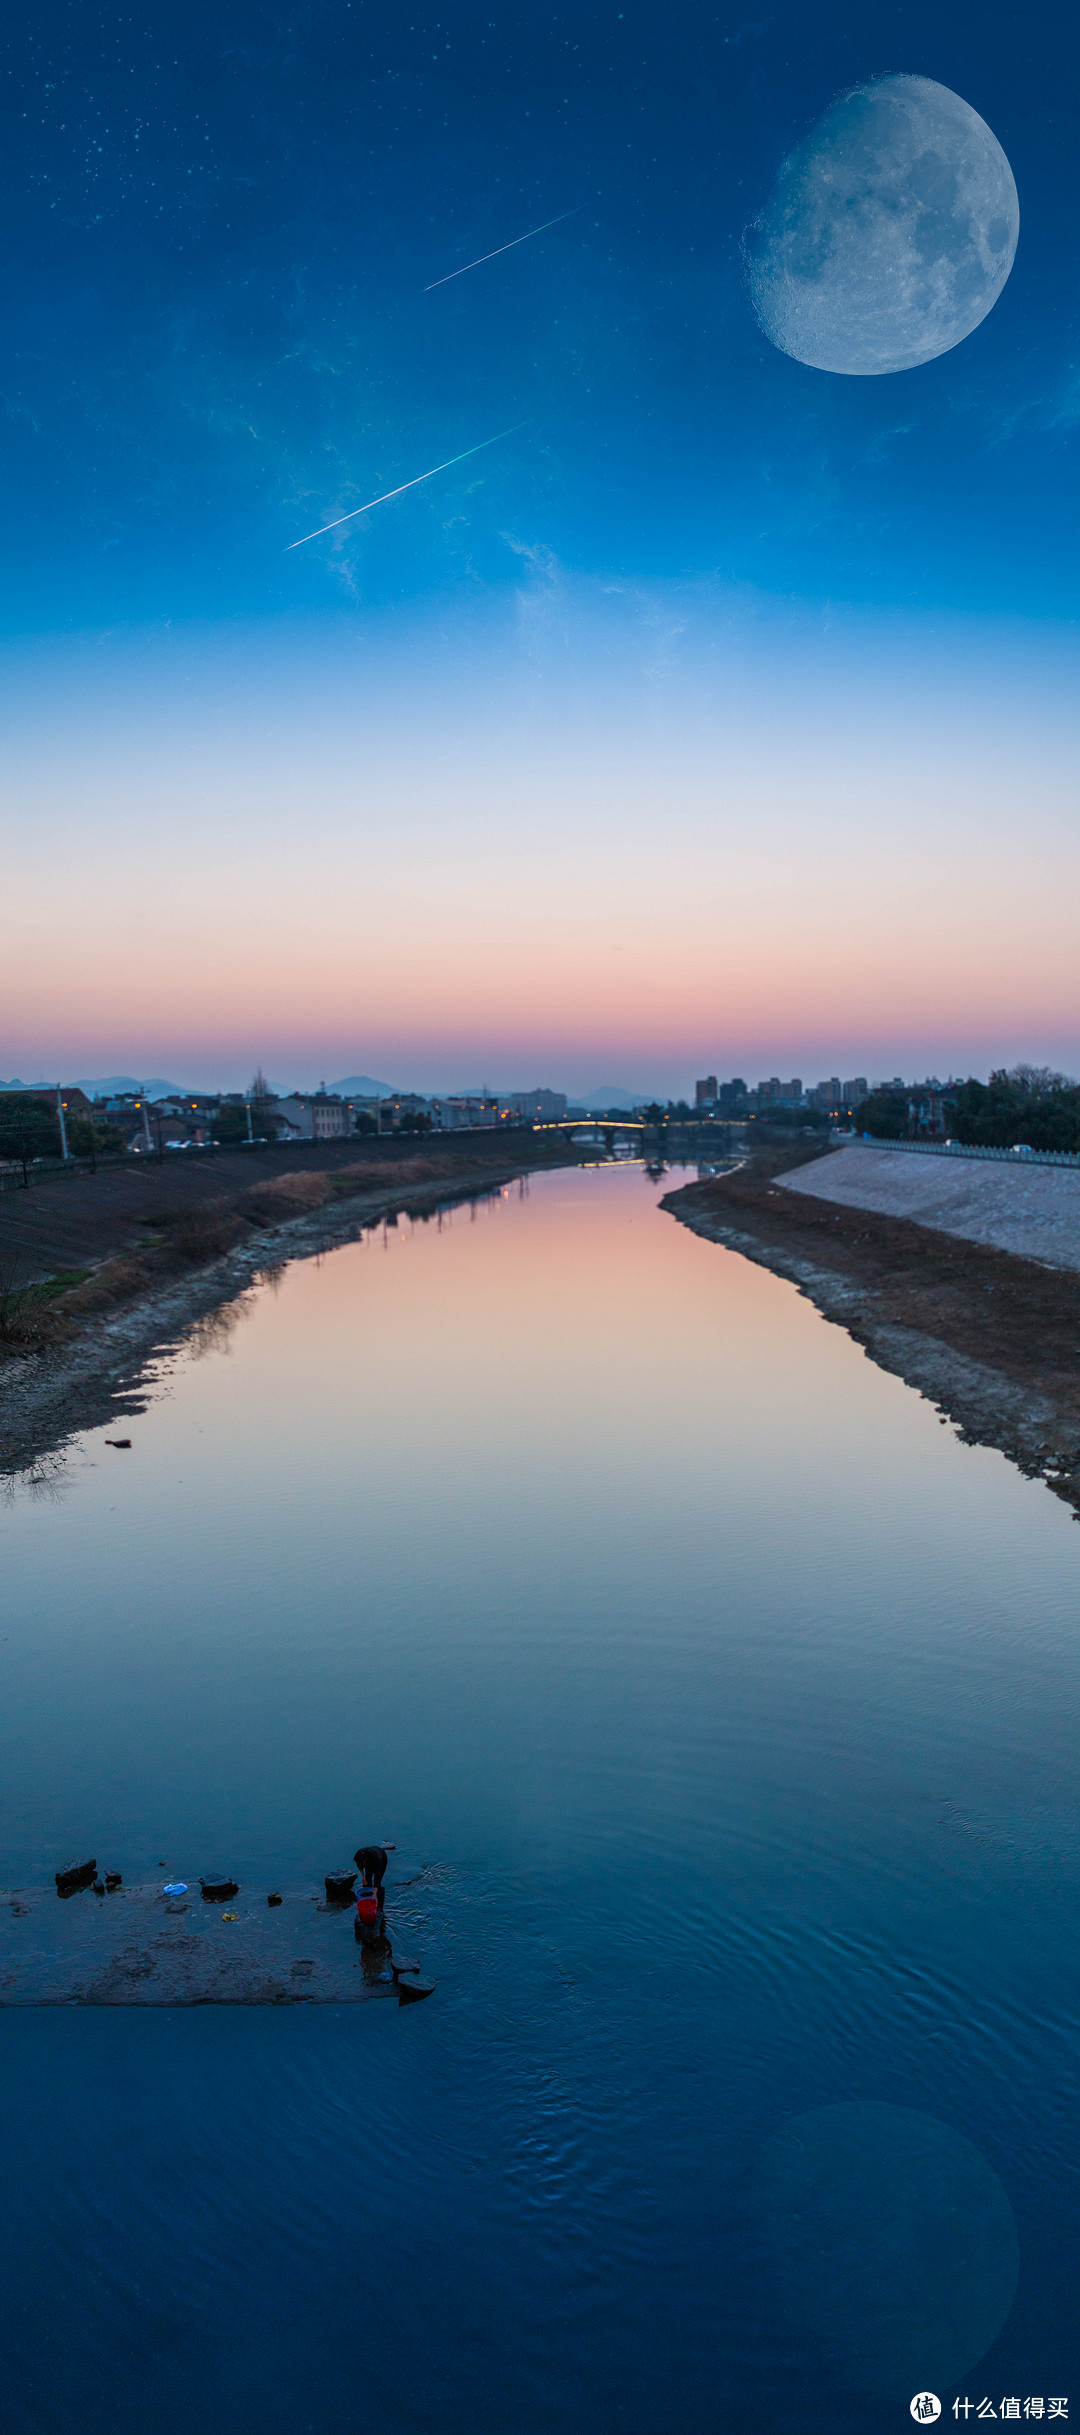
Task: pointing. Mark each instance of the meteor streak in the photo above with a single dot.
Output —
(503, 249)
(396, 494)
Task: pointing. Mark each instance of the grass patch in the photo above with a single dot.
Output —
(284, 1196)
(47, 1288)
(28, 1318)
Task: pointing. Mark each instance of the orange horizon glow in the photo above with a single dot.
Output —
(782, 864)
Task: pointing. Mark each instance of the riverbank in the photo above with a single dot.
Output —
(991, 1339)
(75, 1353)
(75, 1218)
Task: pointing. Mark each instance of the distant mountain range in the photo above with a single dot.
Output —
(609, 1095)
(363, 1085)
(155, 1087)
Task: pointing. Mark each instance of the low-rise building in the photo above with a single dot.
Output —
(927, 1111)
(332, 1118)
(465, 1115)
(544, 1107)
(309, 1116)
(407, 1112)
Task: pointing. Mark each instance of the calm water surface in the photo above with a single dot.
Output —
(728, 1709)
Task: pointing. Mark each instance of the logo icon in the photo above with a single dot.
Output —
(925, 2408)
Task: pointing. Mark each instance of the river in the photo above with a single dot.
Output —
(725, 1710)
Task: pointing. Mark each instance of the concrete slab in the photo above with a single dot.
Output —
(1032, 1211)
(139, 1946)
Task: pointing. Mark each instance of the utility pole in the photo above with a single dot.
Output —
(146, 1120)
(64, 1152)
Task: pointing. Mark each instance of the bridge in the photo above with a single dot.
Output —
(638, 1124)
(592, 1124)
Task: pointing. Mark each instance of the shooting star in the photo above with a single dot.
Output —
(396, 494)
(503, 249)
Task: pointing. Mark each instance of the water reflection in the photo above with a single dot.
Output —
(214, 1330)
(43, 1480)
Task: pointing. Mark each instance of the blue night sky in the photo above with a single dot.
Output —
(221, 227)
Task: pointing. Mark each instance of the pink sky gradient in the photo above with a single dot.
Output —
(797, 854)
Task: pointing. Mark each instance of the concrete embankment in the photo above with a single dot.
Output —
(1031, 1211)
(990, 1338)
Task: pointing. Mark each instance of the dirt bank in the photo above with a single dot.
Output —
(80, 1357)
(991, 1340)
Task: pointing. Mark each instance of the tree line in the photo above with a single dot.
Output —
(30, 1128)
(1025, 1106)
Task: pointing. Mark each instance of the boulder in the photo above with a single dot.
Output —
(339, 1885)
(77, 1874)
(413, 1990)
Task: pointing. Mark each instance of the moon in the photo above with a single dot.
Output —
(890, 232)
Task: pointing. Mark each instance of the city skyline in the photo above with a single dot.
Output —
(160, 1087)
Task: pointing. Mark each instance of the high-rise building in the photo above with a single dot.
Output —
(705, 1092)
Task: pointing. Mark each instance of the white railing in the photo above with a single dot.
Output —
(963, 1149)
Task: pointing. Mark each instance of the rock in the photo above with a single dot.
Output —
(273, 1902)
(77, 1874)
(339, 1885)
(404, 1965)
(413, 1990)
(99, 1887)
(112, 1880)
(218, 1889)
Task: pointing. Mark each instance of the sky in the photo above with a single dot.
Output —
(721, 717)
